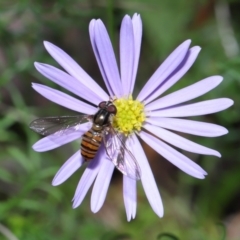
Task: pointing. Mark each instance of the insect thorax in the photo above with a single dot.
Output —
(102, 118)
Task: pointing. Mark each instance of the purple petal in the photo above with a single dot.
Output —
(106, 54)
(194, 109)
(126, 54)
(70, 83)
(74, 69)
(173, 156)
(188, 93)
(176, 74)
(54, 141)
(68, 168)
(137, 31)
(130, 196)
(87, 178)
(189, 126)
(96, 53)
(148, 181)
(164, 71)
(179, 141)
(63, 99)
(101, 184)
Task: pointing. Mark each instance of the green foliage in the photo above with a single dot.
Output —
(30, 207)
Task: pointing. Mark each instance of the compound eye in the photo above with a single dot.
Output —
(112, 109)
(102, 105)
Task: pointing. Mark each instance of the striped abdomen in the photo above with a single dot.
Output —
(90, 144)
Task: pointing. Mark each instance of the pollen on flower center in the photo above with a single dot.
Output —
(130, 115)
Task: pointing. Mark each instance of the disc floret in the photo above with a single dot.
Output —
(130, 115)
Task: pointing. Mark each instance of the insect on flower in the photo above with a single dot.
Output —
(101, 131)
(120, 122)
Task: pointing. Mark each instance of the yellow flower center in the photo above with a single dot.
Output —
(130, 115)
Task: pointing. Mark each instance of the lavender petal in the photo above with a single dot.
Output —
(70, 83)
(194, 109)
(189, 126)
(107, 57)
(137, 31)
(147, 178)
(87, 179)
(126, 54)
(130, 196)
(176, 74)
(179, 141)
(164, 71)
(101, 184)
(188, 93)
(96, 53)
(68, 168)
(74, 69)
(173, 156)
(55, 141)
(63, 99)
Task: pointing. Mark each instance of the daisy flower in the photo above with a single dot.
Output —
(147, 117)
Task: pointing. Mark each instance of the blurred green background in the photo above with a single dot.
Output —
(30, 208)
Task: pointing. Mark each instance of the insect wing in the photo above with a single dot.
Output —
(57, 125)
(120, 155)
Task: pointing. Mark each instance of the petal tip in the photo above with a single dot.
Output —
(93, 206)
(216, 154)
(231, 102)
(228, 103)
(55, 183)
(99, 21)
(203, 172)
(160, 213)
(92, 23)
(94, 210)
(220, 78)
(186, 43)
(225, 131)
(136, 17)
(34, 85)
(47, 44)
(126, 17)
(36, 148)
(57, 180)
(196, 49)
(37, 65)
(202, 175)
(74, 205)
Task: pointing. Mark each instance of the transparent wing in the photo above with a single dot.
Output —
(120, 155)
(58, 125)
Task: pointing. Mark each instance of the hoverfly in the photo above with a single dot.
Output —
(101, 131)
